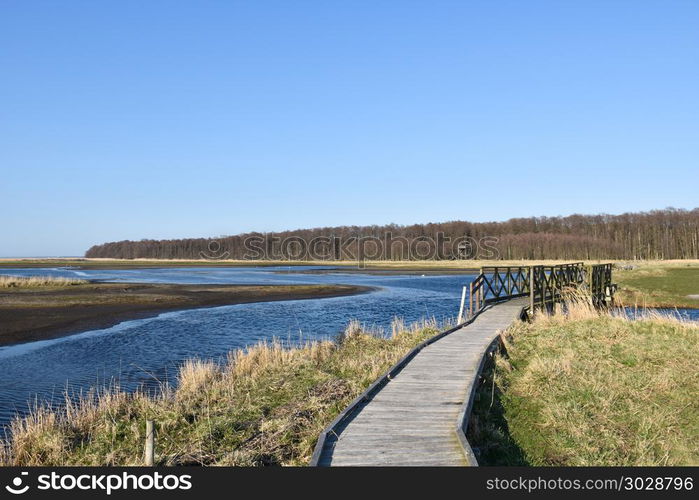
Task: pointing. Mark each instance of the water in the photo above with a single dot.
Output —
(683, 314)
(145, 350)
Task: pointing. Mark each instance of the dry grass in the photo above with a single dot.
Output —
(595, 388)
(37, 281)
(265, 405)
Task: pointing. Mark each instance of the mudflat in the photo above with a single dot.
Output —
(29, 314)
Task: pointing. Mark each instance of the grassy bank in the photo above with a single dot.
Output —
(592, 390)
(265, 405)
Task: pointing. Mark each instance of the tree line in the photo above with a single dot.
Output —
(658, 234)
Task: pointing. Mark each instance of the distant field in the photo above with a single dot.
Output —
(466, 264)
(673, 284)
(374, 264)
(135, 263)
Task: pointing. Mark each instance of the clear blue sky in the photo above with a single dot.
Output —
(130, 120)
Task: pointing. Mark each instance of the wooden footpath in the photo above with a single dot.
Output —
(415, 418)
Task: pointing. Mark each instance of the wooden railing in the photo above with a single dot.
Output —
(544, 285)
(551, 282)
(600, 284)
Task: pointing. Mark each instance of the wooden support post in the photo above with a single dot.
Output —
(543, 291)
(150, 443)
(531, 290)
(470, 300)
(461, 307)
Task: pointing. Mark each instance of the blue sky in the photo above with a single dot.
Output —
(130, 120)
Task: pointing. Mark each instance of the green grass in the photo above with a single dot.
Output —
(593, 390)
(659, 286)
(488, 431)
(266, 405)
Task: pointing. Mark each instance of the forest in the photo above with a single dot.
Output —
(659, 234)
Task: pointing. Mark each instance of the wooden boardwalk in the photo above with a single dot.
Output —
(413, 419)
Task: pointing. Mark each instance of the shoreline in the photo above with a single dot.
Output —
(457, 266)
(30, 315)
(377, 271)
(650, 283)
(650, 304)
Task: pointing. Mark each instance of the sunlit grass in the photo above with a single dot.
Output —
(591, 388)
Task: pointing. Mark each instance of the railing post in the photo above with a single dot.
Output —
(461, 307)
(544, 289)
(496, 280)
(150, 443)
(479, 292)
(470, 300)
(531, 290)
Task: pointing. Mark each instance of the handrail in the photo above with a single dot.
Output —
(545, 285)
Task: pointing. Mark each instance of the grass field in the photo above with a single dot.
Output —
(266, 405)
(592, 390)
(660, 285)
